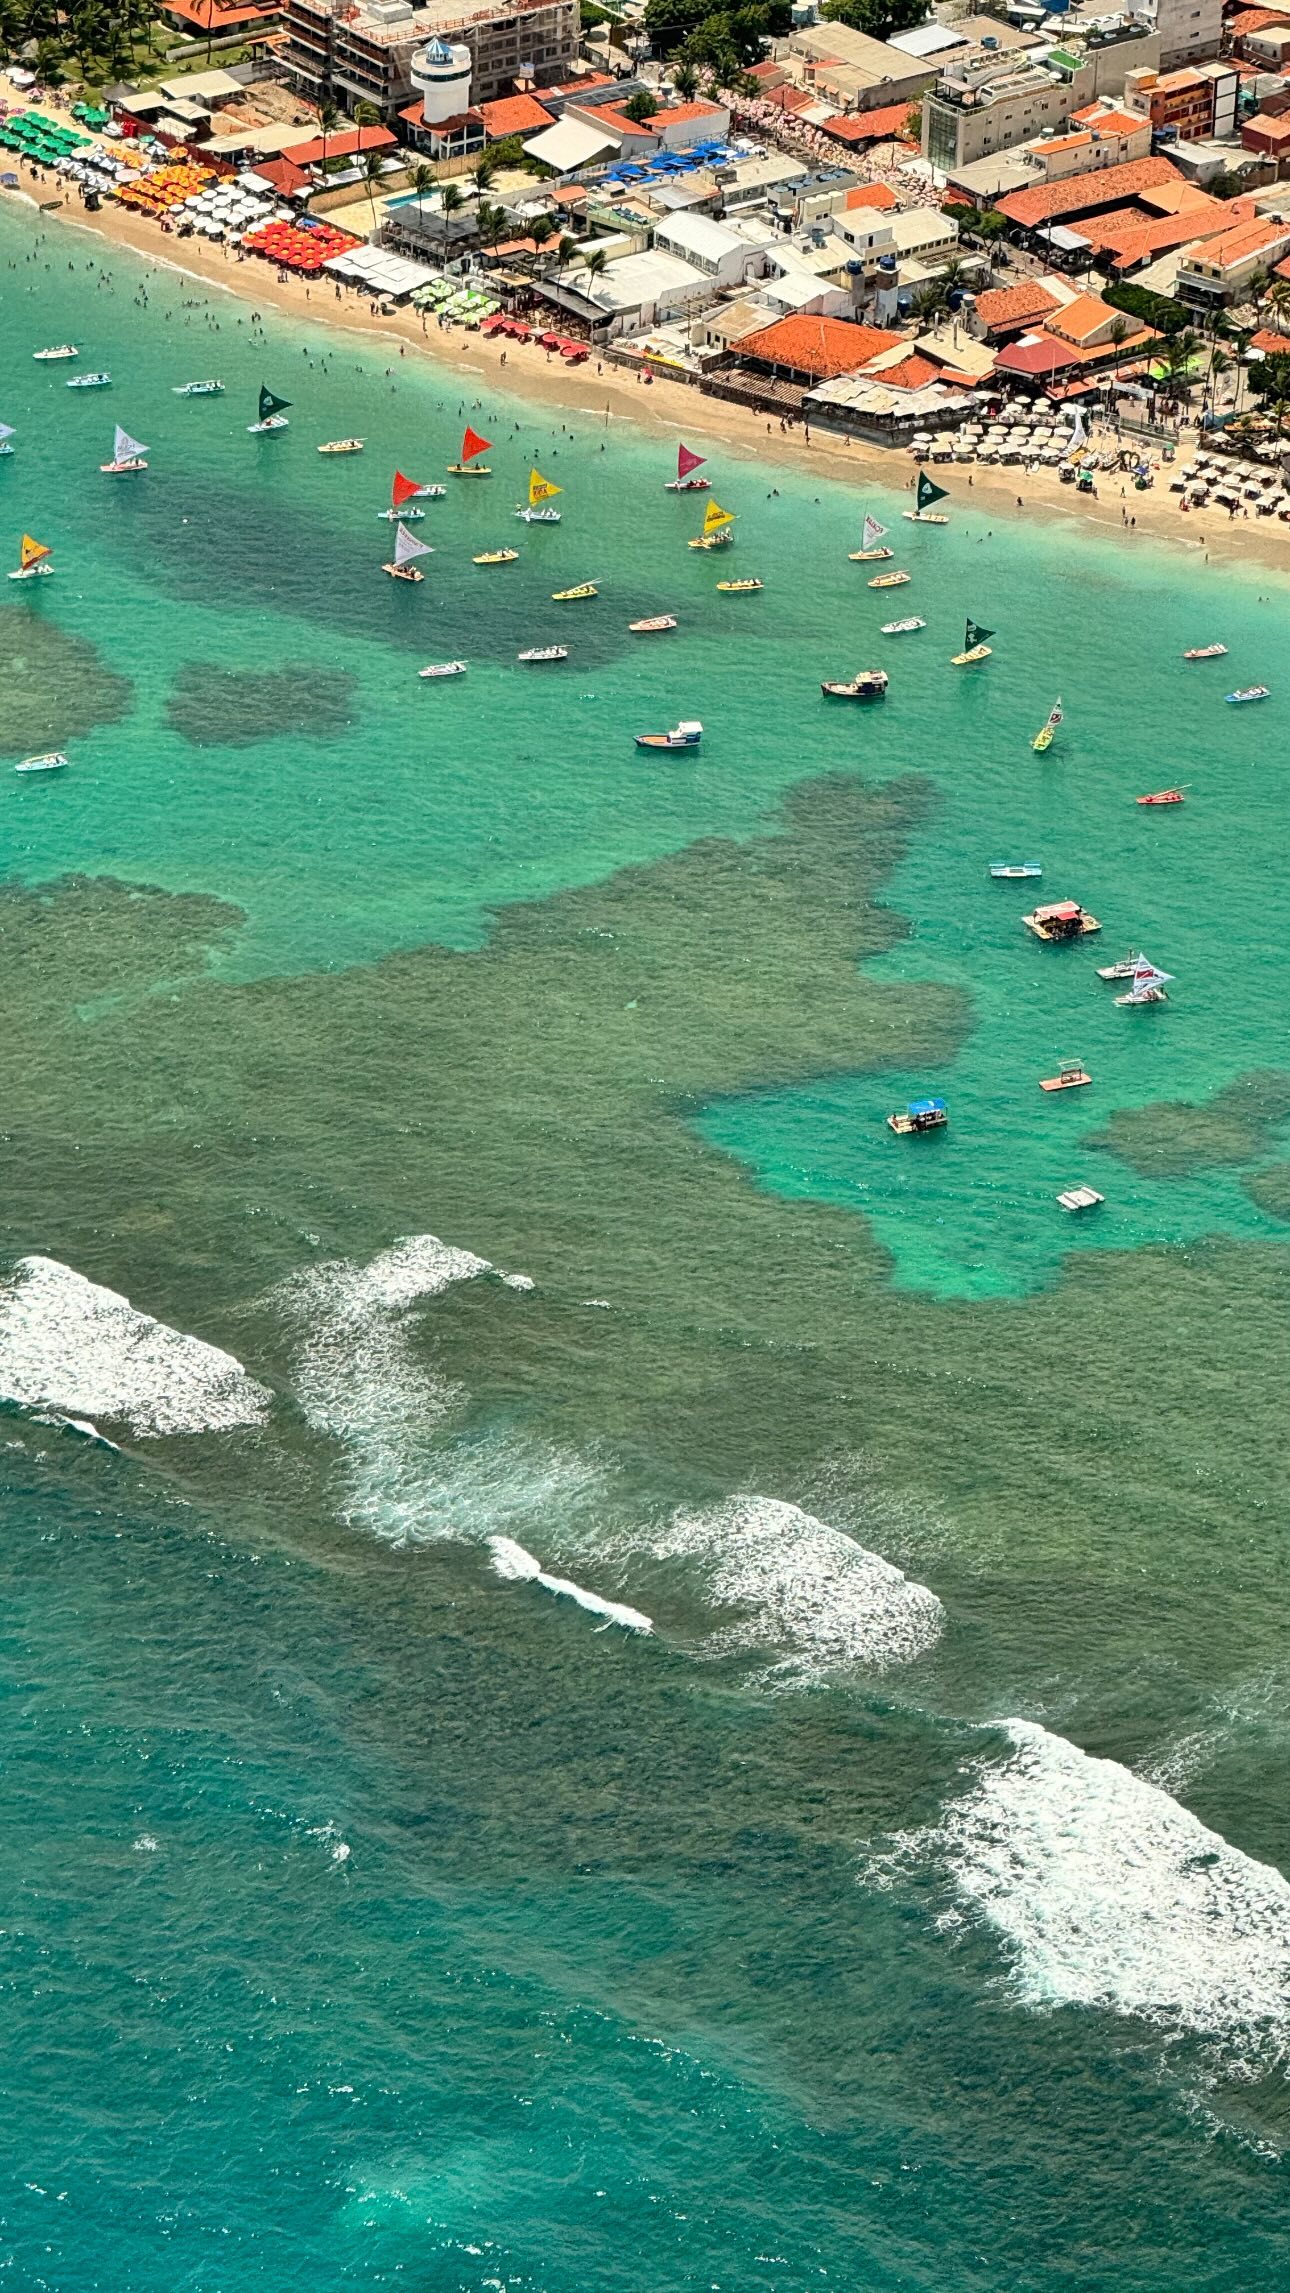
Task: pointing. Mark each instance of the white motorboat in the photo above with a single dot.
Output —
(53, 761)
(444, 669)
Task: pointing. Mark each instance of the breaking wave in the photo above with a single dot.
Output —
(69, 1344)
(511, 1560)
(803, 1589)
(1112, 1896)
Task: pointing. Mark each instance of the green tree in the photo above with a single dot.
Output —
(686, 80)
(639, 107)
(422, 179)
(328, 121)
(594, 261)
(879, 18)
(366, 114)
(372, 164)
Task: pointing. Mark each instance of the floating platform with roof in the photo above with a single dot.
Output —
(919, 1115)
(1061, 920)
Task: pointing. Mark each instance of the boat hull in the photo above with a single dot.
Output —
(122, 469)
(688, 486)
(55, 761)
(856, 689)
(267, 428)
(403, 572)
(924, 517)
(652, 628)
(869, 556)
(469, 470)
(31, 573)
(965, 660)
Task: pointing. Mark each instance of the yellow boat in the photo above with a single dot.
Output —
(580, 589)
(890, 580)
(739, 588)
(1044, 737)
(869, 556)
(497, 557)
(973, 653)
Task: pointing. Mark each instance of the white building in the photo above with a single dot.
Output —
(725, 257)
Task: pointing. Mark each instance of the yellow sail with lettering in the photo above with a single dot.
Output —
(541, 489)
(715, 517)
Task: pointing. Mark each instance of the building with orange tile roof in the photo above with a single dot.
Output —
(854, 129)
(879, 195)
(1008, 311)
(1219, 270)
(814, 349)
(514, 115)
(1087, 194)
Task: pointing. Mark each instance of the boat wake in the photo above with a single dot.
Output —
(71, 1345)
(510, 1560)
(1111, 1896)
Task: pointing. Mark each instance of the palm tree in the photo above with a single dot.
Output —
(422, 179)
(328, 117)
(686, 82)
(491, 223)
(1279, 304)
(1219, 365)
(372, 164)
(451, 202)
(594, 261)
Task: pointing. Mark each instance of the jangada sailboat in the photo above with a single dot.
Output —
(1148, 984)
(127, 455)
(272, 414)
(869, 552)
(1044, 737)
(7, 432)
(407, 549)
(33, 559)
(542, 493)
(716, 528)
(470, 466)
(685, 481)
(975, 647)
(928, 493)
(404, 491)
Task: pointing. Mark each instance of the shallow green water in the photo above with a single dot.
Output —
(681, 1958)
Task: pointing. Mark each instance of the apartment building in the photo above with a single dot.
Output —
(353, 52)
(985, 104)
(1195, 102)
(1188, 30)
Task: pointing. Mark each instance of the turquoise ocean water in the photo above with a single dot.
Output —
(382, 1903)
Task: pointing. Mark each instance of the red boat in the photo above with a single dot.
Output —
(1162, 796)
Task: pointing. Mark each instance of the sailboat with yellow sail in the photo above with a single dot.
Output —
(33, 559)
(716, 528)
(537, 510)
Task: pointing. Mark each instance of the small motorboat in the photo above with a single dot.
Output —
(1014, 871)
(400, 516)
(342, 446)
(497, 557)
(544, 653)
(919, 1115)
(1205, 653)
(571, 596)
(444, 669)
(1124, 969)
(198, 390)
(890, 580)
(538, 517)
(1080, 1198)
(53, 761)
(902, 628)
(1061, 920)
(866, 685)
(429, 494)
(1162, 796)
(59, 350)
(687, 734)
(739, 588)
(653, 625)
(1071, 1078)
(87, 382)
(1249, 693)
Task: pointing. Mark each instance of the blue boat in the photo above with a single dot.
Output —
(1249, 693)
(919, 1115)
(1013, 871)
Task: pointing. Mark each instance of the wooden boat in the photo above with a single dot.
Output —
(1148, 985)
(538, 517)
(1249, 693)
(198, 390)
(60, 350)
(922, 512)
(687, 734)
(469, 465)
(866, 685)
(902, 628)
(571, 596)
(1162, 796)
(342, 446)
(1071, 1078)
(1044, 737)
(711, 541)
(1124, 969)
(685, 481)
(1205, 653)
(653, 625)
(716, 528)
(869, 552)
(919, 1115)
(53, 761)
(444, 669)
(272, 416)
(869, 556)
(88, 382)
(33, 560)
(973, 653)
(925, 517)
(497, 557)
(127, 455)
(739, 588)
(544, 653)
(402, 567)
(1061, 920)
(890, 580)
(1014, 871)
(404, 511)
(537, 510)
(1080, 1198)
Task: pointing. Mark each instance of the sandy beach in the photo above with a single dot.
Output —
(671, 407)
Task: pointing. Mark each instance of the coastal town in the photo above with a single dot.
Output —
(1015, 238)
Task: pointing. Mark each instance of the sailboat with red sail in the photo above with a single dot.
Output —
(470, 466)
(402, 492)
(685, 481)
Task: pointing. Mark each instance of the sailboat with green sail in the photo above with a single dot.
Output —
(975, 647)
(928, 492)
(272, 413)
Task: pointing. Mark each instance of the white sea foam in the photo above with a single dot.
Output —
(1110, 1895)
(511, 1560)
(802, 1588)
(75, 1346)
(360, 1378)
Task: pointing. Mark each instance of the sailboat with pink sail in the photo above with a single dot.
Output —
(685, 481)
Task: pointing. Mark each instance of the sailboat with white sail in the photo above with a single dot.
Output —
(1148, 984)
(1044, 737)
(407, 549)
(128, 455)
(869, 552)
(7, 432)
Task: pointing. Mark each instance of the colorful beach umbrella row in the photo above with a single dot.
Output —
(298, 249)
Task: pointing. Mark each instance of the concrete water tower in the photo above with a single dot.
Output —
(440, 73)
